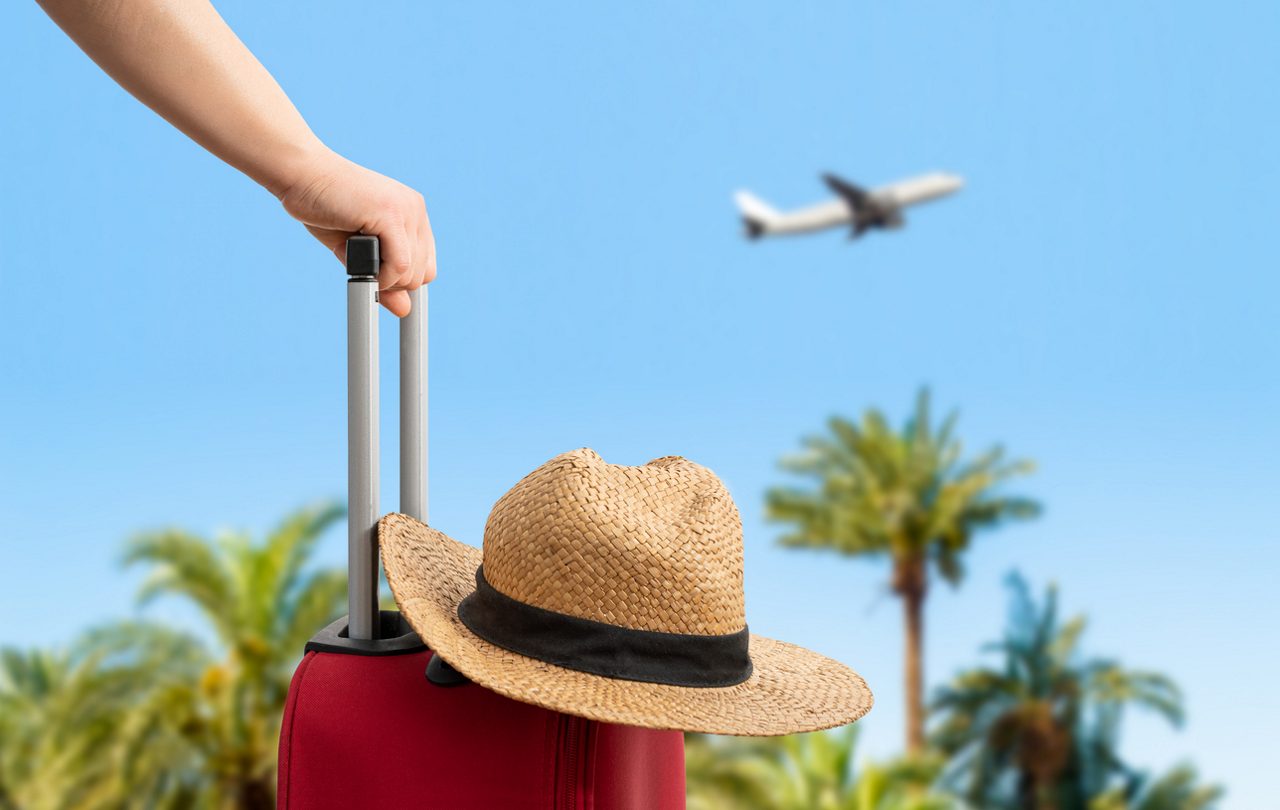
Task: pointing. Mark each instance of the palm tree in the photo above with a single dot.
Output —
(260, 602)
(805, 772)
(1040, 730)
(908, 495)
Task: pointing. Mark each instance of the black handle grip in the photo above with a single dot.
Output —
(363, 257)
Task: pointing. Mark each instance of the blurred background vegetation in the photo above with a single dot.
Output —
(140, 714)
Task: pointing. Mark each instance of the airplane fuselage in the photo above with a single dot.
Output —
(853, 207)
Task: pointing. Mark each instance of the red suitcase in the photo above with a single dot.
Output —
(364, 726)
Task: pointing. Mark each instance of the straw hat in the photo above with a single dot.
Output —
(614, 593)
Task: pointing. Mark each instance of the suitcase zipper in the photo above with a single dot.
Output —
(574, 757)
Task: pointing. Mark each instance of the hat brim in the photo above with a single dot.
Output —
(790, 690)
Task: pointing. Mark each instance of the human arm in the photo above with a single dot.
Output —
(182, 60)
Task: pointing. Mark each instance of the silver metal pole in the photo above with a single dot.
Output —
(362, 451)
(413, 408)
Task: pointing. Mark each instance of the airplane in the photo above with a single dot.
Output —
(859, 208)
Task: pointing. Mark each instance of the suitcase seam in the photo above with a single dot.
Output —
(591, 746)
(292, 711)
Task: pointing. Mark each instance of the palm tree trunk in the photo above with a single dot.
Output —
(909, 584)
(913, 609)
(1027, 791)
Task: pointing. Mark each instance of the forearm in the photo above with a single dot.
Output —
(180, 59)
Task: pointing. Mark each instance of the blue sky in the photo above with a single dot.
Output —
(1102, 297)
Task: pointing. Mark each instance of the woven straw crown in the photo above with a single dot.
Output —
(656, 547)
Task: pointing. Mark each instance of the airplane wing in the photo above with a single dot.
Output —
(854, 195)
(867, 209)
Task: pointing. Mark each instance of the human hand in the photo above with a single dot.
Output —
(335, 198)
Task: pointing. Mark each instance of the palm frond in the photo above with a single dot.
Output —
(289, 547)
(317, 600)
(866, 488)
(188, 566)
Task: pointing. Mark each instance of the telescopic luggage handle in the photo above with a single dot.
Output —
(363, 262)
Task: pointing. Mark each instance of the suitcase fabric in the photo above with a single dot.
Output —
(364, 727)
(365, 731)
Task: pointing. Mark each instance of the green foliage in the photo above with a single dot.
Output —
(1041, 729)
(145, 716)
(905, 493)
(805, 772)
(86, 730)
(1179, 789)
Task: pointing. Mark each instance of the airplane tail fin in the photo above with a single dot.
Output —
(757, 214)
